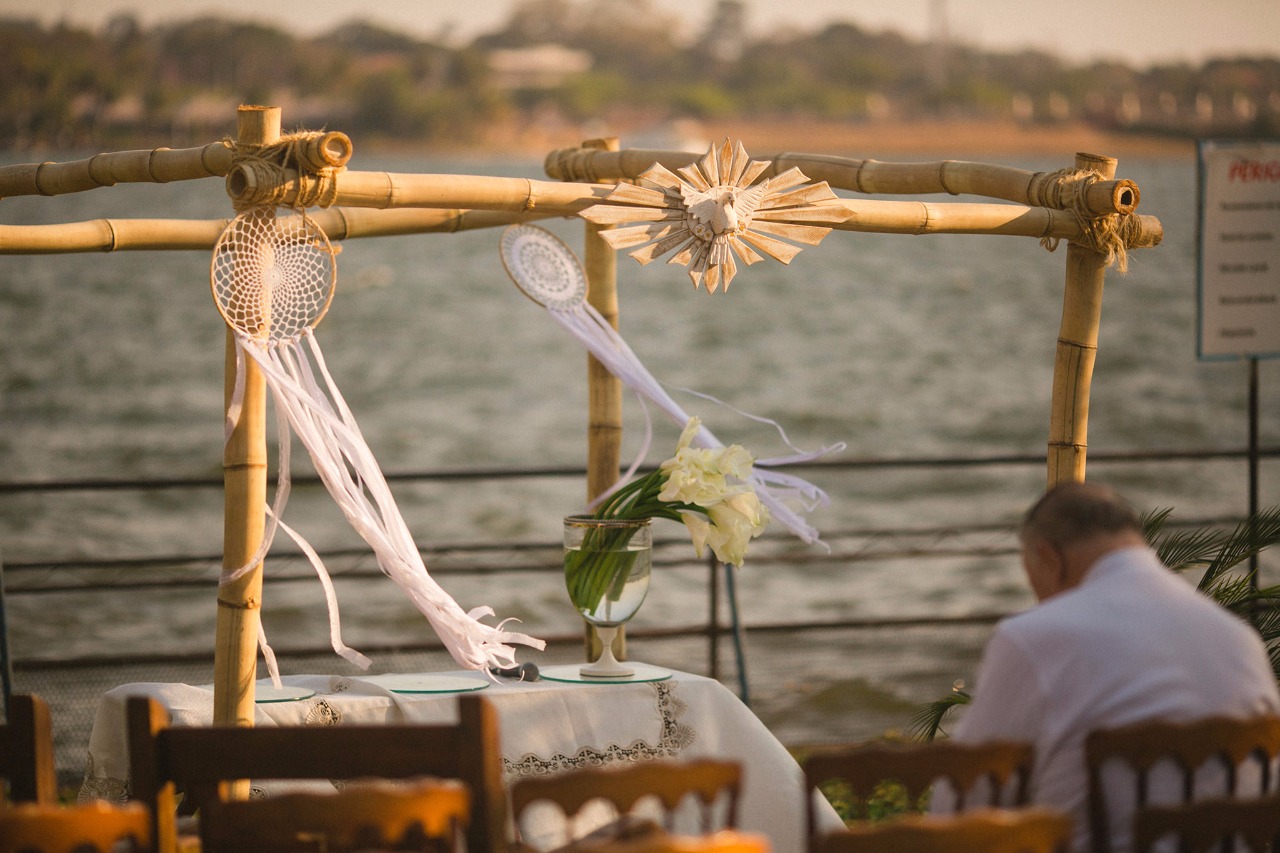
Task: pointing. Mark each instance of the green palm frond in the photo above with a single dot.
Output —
(927, 722)
(1251, 536)
(1187, 549)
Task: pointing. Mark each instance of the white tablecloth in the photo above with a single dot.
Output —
(546, 726)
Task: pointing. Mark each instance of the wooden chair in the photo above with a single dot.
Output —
(1211, 825)
(723, 841)
(1026, 830)
(48, 828)
(26, 751)
(1224, 744)
(202, 761)
(425, 816)
(982, 771)
(715, 787)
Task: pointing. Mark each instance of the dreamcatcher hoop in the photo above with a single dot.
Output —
(273, 274)
(543, 267)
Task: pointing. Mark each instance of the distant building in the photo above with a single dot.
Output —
(542, 66)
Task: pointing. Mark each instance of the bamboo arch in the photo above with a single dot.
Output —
(1085, 204)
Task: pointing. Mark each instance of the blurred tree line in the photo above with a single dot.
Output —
(179, 84)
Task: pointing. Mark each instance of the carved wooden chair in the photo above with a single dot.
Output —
(50, 828)
(202, 761)
(1026, 830)
(713, 786)
(723, 841)
(1226, 747)
(424, 816)
(1210, 825)
(995, 773)
(26, 751)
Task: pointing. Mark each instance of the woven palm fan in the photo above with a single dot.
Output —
(273, 278)
(547, 271)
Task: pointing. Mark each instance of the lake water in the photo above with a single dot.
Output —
(111, 366)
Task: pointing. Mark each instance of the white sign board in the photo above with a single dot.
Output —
(1239, 274)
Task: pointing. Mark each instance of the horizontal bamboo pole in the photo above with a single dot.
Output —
(383, 190)
(916, 217)
(118, 235)
(522, 195)
(885, 217)
(955, 177)
(158, 166)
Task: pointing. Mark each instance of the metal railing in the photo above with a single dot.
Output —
(73, 683)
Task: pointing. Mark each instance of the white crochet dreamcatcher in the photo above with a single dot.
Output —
(273, 276)
(548, 272)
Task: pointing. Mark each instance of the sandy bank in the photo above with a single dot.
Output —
(888, 140)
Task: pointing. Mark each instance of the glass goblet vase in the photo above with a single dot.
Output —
(606, 570)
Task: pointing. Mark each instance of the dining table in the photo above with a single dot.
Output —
(553, 723)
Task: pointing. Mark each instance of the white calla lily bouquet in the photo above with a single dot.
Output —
(705, 488)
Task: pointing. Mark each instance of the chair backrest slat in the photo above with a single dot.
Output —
(52, 828)
(1203, 825)
(918, 766)
(1226, 743)
(198, 760)
(1027, 830)
(26, 751)
(707, 782)
(426, 815)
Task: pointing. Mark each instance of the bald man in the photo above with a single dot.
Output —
(1116, 638)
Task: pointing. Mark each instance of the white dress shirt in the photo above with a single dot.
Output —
(1133, 641)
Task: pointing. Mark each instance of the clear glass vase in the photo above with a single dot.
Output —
(606, 570)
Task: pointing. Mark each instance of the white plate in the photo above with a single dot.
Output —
(264, 693)
(426, 683)
(572, 673)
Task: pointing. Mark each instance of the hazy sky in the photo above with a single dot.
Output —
(1139, 31)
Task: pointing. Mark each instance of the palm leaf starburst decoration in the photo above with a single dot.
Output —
(710, 212)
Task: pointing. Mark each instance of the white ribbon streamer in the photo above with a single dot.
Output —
(776, 490)
(319, 415)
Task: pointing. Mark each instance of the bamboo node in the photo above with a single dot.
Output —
(40, 169)
(1077, 344)
(247, 604)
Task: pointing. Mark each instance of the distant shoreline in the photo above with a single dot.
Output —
(901, 140)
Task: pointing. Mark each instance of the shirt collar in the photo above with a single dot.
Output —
(1121, 560)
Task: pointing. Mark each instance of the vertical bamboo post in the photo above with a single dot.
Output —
(1077, 349)
(244, 476)
(604, 390)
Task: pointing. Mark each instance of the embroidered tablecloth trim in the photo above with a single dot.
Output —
(674, 738)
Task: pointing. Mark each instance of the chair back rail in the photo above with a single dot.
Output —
(1227, 742)
(670, 783)
(201, 761)
(1211, 824)
(722, 841)
(425, 816)
(50, 828)
(26, 751)
(918, 766)
(1024, 830)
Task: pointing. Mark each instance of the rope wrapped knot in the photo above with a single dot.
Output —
(1108, 234)
(301, 170)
